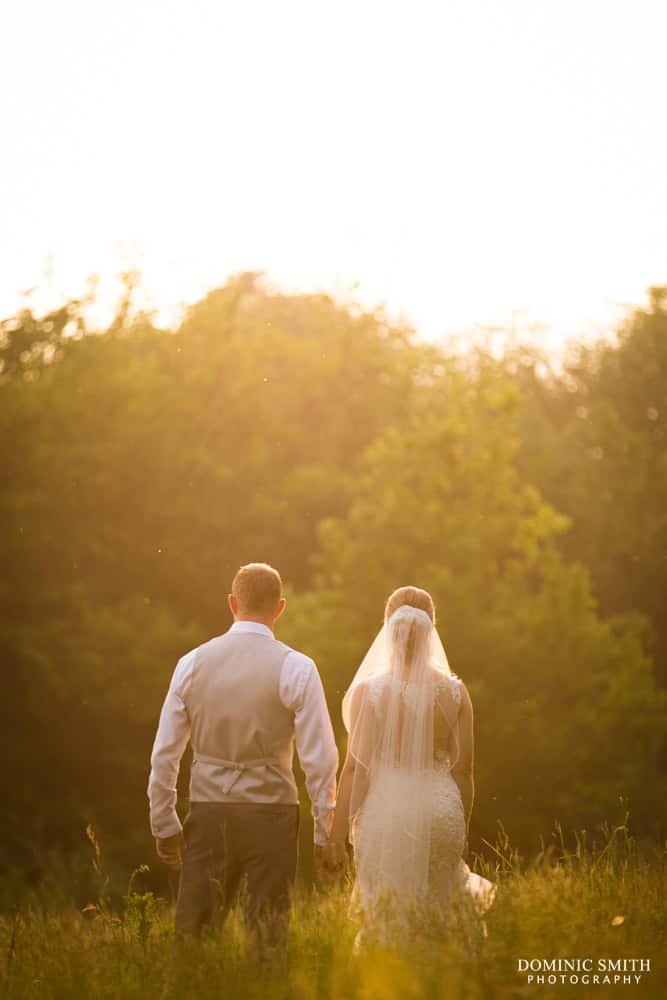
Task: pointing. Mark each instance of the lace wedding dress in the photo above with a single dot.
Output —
(407, 820)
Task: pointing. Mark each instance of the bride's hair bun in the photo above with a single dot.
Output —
(415, 597)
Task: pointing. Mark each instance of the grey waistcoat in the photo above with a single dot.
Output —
(242, 735)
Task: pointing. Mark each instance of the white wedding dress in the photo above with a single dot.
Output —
(407, 820)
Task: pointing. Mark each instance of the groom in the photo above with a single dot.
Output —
(243, 699)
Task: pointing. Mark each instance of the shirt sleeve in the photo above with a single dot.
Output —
(171, 740)
(302, 692)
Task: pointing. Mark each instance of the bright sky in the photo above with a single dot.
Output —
(460, 161)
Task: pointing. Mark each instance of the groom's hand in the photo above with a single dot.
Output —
(170, 850)
(332, 859)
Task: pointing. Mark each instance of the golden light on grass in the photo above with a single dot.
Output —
(617, 921)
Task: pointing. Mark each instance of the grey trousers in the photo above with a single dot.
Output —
(229, 845)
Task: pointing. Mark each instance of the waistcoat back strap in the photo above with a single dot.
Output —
(234, 766)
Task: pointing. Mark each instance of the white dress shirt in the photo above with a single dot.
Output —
(300, 691)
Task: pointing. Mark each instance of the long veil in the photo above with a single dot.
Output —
(397, 697)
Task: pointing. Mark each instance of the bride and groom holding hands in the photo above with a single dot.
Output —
(245, 700)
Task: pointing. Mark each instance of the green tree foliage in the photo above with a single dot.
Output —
(594, 441)
(141, 466)
(568, 718)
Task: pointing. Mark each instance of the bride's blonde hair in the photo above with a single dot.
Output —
(415, 597)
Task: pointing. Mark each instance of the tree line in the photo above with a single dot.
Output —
(143, 465)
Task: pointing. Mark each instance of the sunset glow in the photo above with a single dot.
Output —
(462, 163)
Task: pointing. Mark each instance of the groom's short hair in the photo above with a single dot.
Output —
(258, 588)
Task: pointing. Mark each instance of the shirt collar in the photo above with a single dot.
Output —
(251, 627)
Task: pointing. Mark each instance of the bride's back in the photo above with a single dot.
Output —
(395, 701)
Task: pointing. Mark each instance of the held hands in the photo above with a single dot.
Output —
(332, 859)
(170, 850)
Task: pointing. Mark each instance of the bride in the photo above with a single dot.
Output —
(406, 789)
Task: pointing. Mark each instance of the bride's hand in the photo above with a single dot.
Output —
(332, 858)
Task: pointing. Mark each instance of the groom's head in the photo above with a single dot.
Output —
(257, 594)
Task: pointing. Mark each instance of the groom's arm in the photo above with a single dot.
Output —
(315, 742)
(170, 742)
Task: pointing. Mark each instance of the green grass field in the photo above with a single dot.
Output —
(600, 901)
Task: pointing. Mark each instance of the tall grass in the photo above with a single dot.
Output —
(600, 900)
